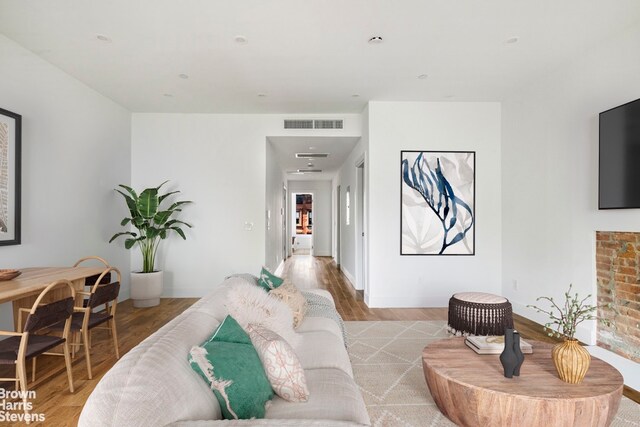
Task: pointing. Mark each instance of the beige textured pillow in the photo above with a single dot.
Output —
(280, 363)
(289, 294)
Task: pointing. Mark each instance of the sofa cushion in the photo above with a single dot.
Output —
(230, 365)
(290, 295)
(252, 304)
(323, 349)
(333, 395)
(268, 280)
(280, 363)
(315, 324)
(153, 384)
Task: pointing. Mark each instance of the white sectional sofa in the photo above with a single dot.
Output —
(153, 384)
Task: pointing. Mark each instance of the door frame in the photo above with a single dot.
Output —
(361, 222)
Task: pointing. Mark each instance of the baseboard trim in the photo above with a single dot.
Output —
(349, 277)
(280, 269)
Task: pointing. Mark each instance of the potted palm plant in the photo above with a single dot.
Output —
(154, 224)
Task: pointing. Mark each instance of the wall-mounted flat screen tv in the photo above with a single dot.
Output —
(619, 164)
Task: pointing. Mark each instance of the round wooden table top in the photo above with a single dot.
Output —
(471, 389)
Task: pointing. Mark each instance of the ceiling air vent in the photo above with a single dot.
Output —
(298, 124)
(328, 124)
(303, 171)
(311, 155)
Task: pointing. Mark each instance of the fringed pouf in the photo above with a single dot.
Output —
(479, 313)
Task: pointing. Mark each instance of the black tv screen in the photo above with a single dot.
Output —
(619, 170)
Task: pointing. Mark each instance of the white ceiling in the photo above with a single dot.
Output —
(308, 56)
(338, 148)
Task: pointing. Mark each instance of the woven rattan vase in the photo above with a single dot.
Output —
(571, 360)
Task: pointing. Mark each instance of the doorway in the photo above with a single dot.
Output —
(302, 223)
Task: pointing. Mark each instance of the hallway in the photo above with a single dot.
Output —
(308, 272)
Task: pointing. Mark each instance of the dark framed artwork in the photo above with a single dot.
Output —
(437, 213)
(10, 177)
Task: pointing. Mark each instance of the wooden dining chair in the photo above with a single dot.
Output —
(32, 340)
(86, 318)
(91, 280)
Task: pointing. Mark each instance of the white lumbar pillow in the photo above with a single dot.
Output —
(248, 303)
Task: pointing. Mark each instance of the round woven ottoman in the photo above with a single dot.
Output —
(479, 313)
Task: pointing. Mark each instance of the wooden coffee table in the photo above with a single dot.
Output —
(471, 390)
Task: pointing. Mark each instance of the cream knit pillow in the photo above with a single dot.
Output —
(248, 303)
(289, 294)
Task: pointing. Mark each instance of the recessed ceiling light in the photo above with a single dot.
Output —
(241, 39)
(168, 95)
(310, 164)
(375, 40)
(312, 148)
(262, 95)
(423, 76)
(355, 95)
(183, 76)
(103, 38)
(512, 40)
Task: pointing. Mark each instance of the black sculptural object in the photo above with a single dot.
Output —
(508, 356)
(518, 353)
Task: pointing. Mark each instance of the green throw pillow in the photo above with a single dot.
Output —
(269, 281)
(230, 365)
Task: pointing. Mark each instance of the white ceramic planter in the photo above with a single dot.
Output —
(146, 289)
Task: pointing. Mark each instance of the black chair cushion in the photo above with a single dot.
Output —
(36, 345)
(95, 319)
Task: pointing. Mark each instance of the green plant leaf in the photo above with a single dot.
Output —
(152, 233)
(147, 203)
(176, 204)
(164, 196)
(129, 190)
(125, 221)
(131, 204)
(177, 221)
(122, 233)
(162, 217)
(129, 243)
(179, 231)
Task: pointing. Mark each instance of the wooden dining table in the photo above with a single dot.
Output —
(24, 289)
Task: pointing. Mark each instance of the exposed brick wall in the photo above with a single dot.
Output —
(618, 273)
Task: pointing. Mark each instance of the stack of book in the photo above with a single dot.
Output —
(493, 344)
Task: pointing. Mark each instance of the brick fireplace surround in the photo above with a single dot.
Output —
(618, 276)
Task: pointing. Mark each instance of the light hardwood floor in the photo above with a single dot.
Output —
(63, 408)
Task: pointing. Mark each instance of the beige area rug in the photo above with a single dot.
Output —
(387, 365)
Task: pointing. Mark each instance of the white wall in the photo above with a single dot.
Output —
(219, 162)
(304, 241)
(424, 281)
(75, 150)
(322, 211)
(274, 210)
(550, 172)
(346, 178)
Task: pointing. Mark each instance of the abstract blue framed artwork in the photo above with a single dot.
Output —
(437, 190)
